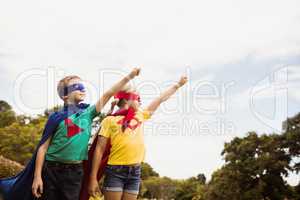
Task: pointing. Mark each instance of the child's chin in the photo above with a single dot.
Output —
(80, 100)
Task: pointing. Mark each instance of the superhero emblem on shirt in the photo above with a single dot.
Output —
(132, 124)
(72, 129)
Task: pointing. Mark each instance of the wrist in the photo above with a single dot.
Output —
(177, 85)
(93, 177)
(129, 77)
(37, 176)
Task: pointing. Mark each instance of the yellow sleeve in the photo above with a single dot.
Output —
(146, 114)
(105, 129)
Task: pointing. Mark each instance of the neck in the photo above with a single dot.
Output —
(71, 103)
(124, 107)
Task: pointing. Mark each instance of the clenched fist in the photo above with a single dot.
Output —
(135, 72)
(182, 81)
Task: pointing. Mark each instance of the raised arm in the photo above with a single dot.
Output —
(115, 88)
(166, 95)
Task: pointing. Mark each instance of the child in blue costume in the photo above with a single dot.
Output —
(55, 170)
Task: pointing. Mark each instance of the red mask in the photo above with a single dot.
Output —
(129, 113)
(128, 96)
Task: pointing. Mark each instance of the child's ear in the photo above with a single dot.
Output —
(65, 98)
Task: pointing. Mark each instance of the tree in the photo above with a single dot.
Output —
(224, 185)
(255, 167)
(7, 115)
(191, 188)
(147, 171)
(9, 168)
(19, 141)
(159, 188)
(291, 138)
(201, 178)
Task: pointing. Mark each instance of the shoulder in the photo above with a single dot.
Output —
(108, 126)
(58, 116)
(89, 109)
(84, 105)
(109, 120)
(54, 119)
(55, 115)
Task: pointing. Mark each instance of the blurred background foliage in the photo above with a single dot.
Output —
(255, 165)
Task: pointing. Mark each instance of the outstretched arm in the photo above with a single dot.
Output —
(115, 88)
(166, 95)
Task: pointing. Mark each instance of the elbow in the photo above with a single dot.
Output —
(98, 151)
(161, 99)
(43, 149)
(108, 94)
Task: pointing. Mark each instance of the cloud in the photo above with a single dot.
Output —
(220, 41)
(168, 34)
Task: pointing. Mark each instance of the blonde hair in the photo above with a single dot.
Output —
(64, 83)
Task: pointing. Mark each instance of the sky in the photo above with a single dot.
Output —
(241, 57)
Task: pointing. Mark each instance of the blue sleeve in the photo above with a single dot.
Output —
(50, 127)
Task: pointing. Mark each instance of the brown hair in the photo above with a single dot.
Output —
(120, 102)
(64, 82)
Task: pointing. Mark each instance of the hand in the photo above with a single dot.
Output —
(182, 81)
(37, 187)
(93, 189)
(135, 72)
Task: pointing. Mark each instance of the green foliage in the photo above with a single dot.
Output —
(225, 184)
(192, 188)
(255, 165)
(201, 178)
(7, 115)
(147, 171)
(18, 141)
(291, 139)
(20, 137)
(9, 168)
(159, 188)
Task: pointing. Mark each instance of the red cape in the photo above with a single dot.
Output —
(87, 165)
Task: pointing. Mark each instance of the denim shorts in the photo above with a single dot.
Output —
(122, 178)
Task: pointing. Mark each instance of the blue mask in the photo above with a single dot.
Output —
(71, 88)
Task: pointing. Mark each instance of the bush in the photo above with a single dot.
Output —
(18, 141)
(9, 168)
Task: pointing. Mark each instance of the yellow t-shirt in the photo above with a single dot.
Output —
(126, 147)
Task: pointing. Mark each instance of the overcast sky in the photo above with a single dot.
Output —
(241, 58)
